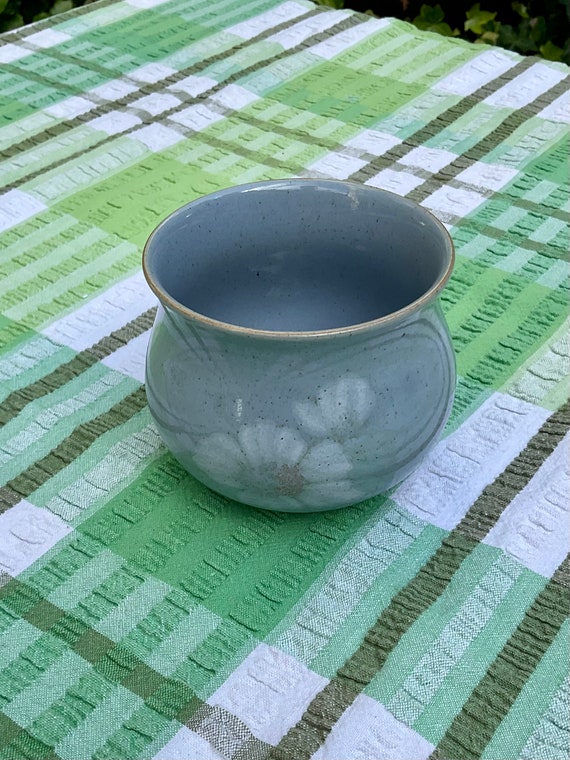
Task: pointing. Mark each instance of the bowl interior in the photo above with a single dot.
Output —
(298, 255)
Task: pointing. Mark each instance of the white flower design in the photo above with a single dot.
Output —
(338, 411)
(271, 466)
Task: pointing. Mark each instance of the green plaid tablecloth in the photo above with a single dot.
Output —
(141, 615)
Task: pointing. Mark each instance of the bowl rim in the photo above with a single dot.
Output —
(166, 300)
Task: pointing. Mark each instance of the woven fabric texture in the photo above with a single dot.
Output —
(143, 616)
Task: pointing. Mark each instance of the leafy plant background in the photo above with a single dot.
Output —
(530, 27)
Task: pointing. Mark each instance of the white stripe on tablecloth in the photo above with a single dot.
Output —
(187, 744)
(455, 473)
(367, 730)
(476, 73)
(259, 24)
(133, 452)
(269, 692)
(526, 87)
(332, 46)
(108, 311)
(16, 206)
(534, 527)
(27, 532)
(130, 358)
(298, 33)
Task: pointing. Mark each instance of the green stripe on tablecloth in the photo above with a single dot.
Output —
(267, 153)
(513, 348)
(19, 100)
(48, 686)
(498, 320)
(13, 334)
(27, 747)
(82, 578)
(14, 639)
(43, 85)
(36, 357)
(43, 235)
(95, 253)
(201, 66)
(441, 705)
(498, 495)
(533, 701)
(113, 664)
(550, 739)
(82, 437)
(419, 595)
(497, 691)
(64, 373)
(322, 89)
(233, 576)
(490, 141)
(47, 155)
(471, 229)
(44, 425)
(157, 186)
(478, 589)
(347, 636)
(44, 306)
(110, 711)
(23, 672)
(543, 378)
(441, 122)
(76, 492)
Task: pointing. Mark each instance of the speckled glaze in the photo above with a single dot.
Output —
(300, 359)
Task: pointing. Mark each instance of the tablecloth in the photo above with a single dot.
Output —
(143, 616)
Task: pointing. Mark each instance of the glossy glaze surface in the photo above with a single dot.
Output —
(300, 360)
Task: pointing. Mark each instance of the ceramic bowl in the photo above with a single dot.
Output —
(300, 359)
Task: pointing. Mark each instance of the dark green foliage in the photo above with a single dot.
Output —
(14, 13)
(530, 27)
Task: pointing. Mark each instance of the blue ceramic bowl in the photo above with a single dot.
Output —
(300, 359)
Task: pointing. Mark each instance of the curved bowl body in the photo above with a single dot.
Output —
(299, 419)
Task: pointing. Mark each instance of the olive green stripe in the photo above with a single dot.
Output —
(562, 574)
(304, 739)
(9, 729)
(497, 691)
(439, 123)
(528, 205)
(69, 449)
(525, 243)
(491, 140)
(171, 698)
(147, 89)
(18, 400)
(224, 731)
(499, 494)
(419, 594)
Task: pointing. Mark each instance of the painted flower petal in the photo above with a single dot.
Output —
(265, 443)
(310, 417)
(324, 462)
(219, 456)
(339, 410)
